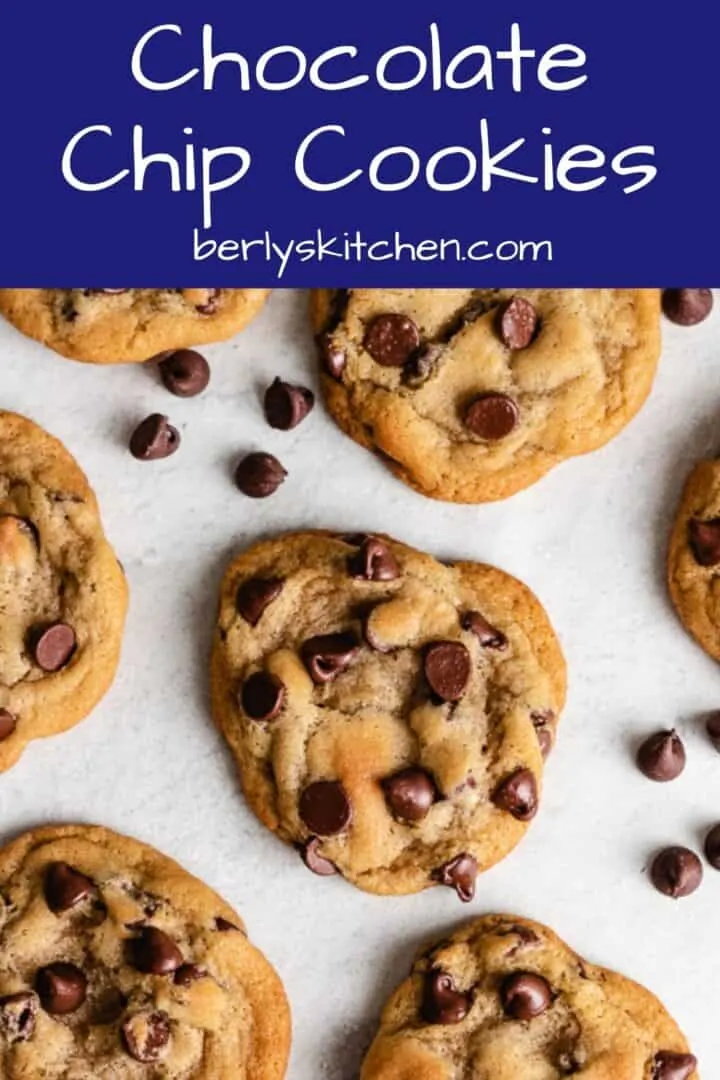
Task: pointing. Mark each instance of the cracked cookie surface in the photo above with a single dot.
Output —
(116, 964)
(470, 395)
(388, 713)
(111, 326)
(63, 595)
(694, 557)
(506, 999)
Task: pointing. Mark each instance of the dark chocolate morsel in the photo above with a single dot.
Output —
(61, 987)
(8, 723)
(392, 339)
(662, 756)
(705, 541)
(66, 887)
(518, 323)
(712, 726)
(676, 872)
(325, 808)
(187, 974)
(327, 655)
(487, 635)
(316, 862)
(447, 669)
(518, 795)
(687, 307)
(184, 373)
(259, 475)
(374, 562)
(286, 406)
(525, 995)
(442, 1002)
(669, 1066)
(154, 438)
(263, 696)
(410, 794)
(154, 952)
(492, 416)
(146, 1035)
(18, 1013)
(460, 874)
(53, 646)
(255, 595)
(712, 847)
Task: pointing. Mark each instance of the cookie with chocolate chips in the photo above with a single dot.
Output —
(117, 964)
(506, 999)
(62, 592)
(388, 714)
(114, 326)
(694, 557)
(470, 395)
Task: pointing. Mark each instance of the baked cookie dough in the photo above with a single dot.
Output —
(506, 999)
(62, 592)
(388, 714)
(470, 395)
(694, 559)
(114, 326)
(116, 964)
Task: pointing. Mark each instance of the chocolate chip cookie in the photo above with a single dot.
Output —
(506, 999)
(694, 559)
(113, 326)
(62, 592)
(470, 395)
(389, 714)
(117, 964)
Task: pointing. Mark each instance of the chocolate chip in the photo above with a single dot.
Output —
(442, 1002)
(210, 306)
(18, 1013)
(525, 996)
(316, 862)
(487, 635)
(53, 646)
(712, 847)
(459, 874)
(154, 438)
(332, 356)
(259, 475)
(327, 655)
(146, 1035)
(705, 541)
(392, 339)
(492, 416)
(184, 373)
(410, 794)
(8, 723)
(421, 366)
(712, 726)
(325, 808)
(66, 887)
(687, 307)
(374, 562)
(187, 974)
(287, 406)
(61, 987)
(518, 795)
(225, 926)
(447, 669)
(662, 756)
(254, 596)
(669, 1066)
(542, 721)
(518, 323)
(676, 872)
(155, 953)
(263, 696)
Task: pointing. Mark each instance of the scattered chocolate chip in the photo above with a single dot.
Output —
(53, 646)
(518, 323)
(332, 356)
(154, 438)
(259, 475)
(459, 874)
(518, 795)
(8, 723)
(421, 366)
(66, 887)
(712, 726)
(447, 669)
(487, 635)
(154, 952)
(676, 872)
(687, 307)
(225, 926)
(316, 862)
(392, 339)
(373, 562)
(146, 1035)
(669, 1066)
(492, 416)
(263, 696)
(662, 756)
(712, 847)
(287, 406)
(184, 373)
(442, 1002)
(325, 808)
(705, 541)
(18, 1013)
(187, 974)
(61, 987)
(327, 655)
(525, 995)
(410, 794)
(254, 596)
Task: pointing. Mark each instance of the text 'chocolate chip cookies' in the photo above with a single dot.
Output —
(62, 592)
(117, 964)
(389, 714)
(506, 999)
(694, 559)
(472, 395)
(112, 326)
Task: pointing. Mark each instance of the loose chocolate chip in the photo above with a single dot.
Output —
(259, 475)
(518, 323)
(18, 1013)
(316, 862)
(287, 406)
(146, 1035)
(459, 874)
(705, 541)
(225, 926)
(487, 635)
(687, 307)
(442, 1002)
(332, 356)
(669, 1066)
(53, 646)
(712, 847)
(155, 953)
(662, 756)
(254, 596)
(676, 872)
(327, 655)
(492, 416)
(8, 723)
(518, 795)
(447, 669)
(712, 726)
(66, 887)
(61, 987)
(263, 696)
(188, 974)
(525, 996)
(184, 373)
(154, 438)
(374, 562)
(325, 808)
(410, 794)
(392, 339)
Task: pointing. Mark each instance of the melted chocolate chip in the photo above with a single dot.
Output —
(53, 646)
(254, 596)
(154, 438)
(61, 987)
(705, 541)
(460, 874)
(487, 635)
(8, 723)
(18, 1014)
(66, 887)
(669, 1066)
(442, 1002)
(316, 862)
(525, 995)
(662, 756)
(518, 323)
(263, 696)
(676, 872)
(146, 1035)
(226, 927)
(518, 795)
(327, 655)
(210, 305)
(259, 475)
(392, 339)
(185, 373)
(155, 953)
(187, 974)
(410, 794)
(325, 808)
(447, 669)
(542, 722)
(287, 406)
(492, 416)
(687, 307)
(373, 562)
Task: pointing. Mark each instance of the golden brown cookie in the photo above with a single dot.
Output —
(694, 559)
(116, 964)
(62, 592)
(114, 326)
(470, 395)
(506, 999)
(388, 714)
